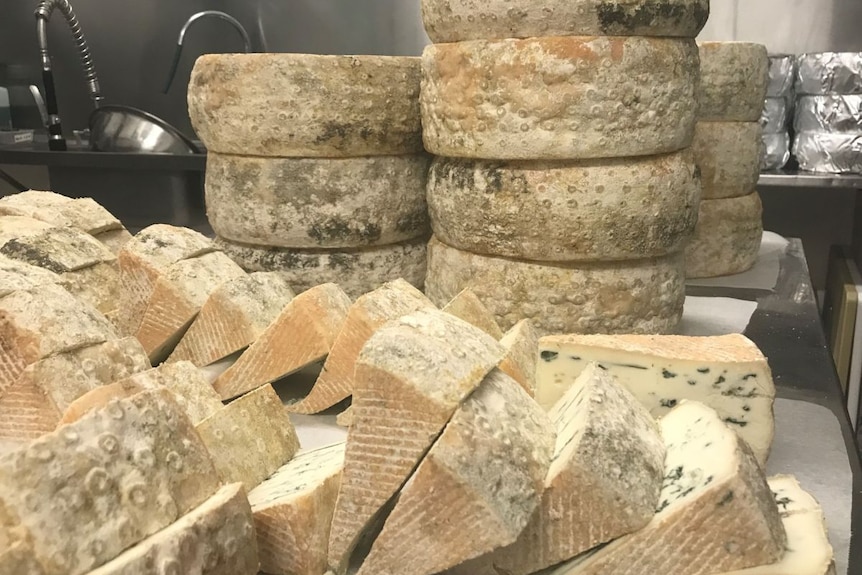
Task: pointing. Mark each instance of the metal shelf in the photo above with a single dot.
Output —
(799, 179)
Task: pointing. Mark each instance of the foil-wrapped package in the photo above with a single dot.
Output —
(833, 153)
(832, 113)
(782, 72)
(774, 117)
(776, 151)
(829, 73)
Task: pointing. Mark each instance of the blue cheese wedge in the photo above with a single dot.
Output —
(477, 488)
(293, 512)
(727, 373)
(715, 513)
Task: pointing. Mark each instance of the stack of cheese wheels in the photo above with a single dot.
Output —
(564, 190)
(315, 165)
(728, 147)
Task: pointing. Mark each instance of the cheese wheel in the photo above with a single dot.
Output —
(644, 296)
(728, 155)
(317, 203)
(727, 238)
(457, 20)
(559, 98)
(298, 105)
(734, 78)
(554, 211)
(355, 271)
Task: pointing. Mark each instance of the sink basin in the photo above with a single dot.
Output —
(127, 129)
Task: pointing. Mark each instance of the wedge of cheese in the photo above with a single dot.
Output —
(233, 317)
(44, 321)
(486, 473)
(716, 512)
(215, 538)
(36, 402)
(114, 240)
(467, 306)
(728, 373)
(143, 259)
(367, 314)
(106, 482)
(414, 371)
(250, 438)
(302, 334)
(84, 214)
(345, 418)
(177, 298)
(522, 352)
(16, 227)
(293, 512)
(17, 275)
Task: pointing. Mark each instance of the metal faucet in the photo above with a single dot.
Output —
(194, 18)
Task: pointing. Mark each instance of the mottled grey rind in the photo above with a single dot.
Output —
(566, 211)
(459, 20)
(559, 98)
(727, 238)
(728, 155)
(317, 203)
(644, 296)
(734, 79)
(356, 271)
(303, 105)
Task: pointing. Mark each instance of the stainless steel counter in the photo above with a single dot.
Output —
(799, 179)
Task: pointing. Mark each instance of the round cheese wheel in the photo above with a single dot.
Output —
(303, 105)
(727, 238)
(644, 296)
(728, 155)
(565, 211)
(559, 98)
(459, 20)
(734, 78)
(317, 202)
(356, 271)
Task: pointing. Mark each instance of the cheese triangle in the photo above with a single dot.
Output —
(16, 275)
(467, 306)
(84, 214)
(522, 352)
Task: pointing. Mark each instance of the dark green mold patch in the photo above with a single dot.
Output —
(549, 355)
(337, 229)
(16, 250)
(417, 221)
(619, 20)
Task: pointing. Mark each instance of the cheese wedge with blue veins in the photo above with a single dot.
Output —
(604, 479)
(716, 512)
(728, 373)
(293, 512)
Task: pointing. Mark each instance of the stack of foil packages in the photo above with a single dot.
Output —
(777, 112)
(828, 119)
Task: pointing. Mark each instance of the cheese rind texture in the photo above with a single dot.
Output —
(16, 275)
(559, 98)
(727, 373)
(727, 237)
(521, 343)
(215, 538)
(305, 105)
(84, 214)
(470, 308)
(566, 211)
(356, 271)
(734, 78)
(644, 296)
(191, 389)
(728, 155)
(454, 21)
(317, 203)
(486, 471)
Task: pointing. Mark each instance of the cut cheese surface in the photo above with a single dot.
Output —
(454, 21)
(467, 306)
(317, 202)
(716, 511)
(643, 296)
(727, 237)
(727, 373)
(293, 511)
(357, 271)
(522, 352)
(327, 106)
(559, 98)
(486, 472)
(107, 481)
(233, 317)
(215, 538)
(734, 77)
(609, 209)
(250, 438)
(84, 214)
(728, 155)
(190, 387)
(367, 314)
(302, 334)
(441, 360)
